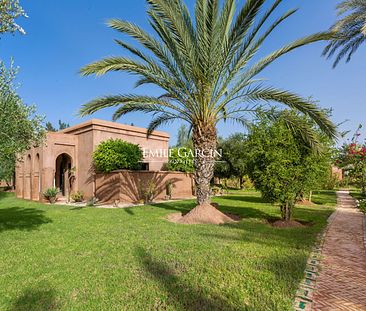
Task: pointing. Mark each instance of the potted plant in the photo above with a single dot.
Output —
(51, 195)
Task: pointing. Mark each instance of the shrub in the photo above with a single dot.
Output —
(77, 196)
(51, 195)
(149, 191)
(116, 154)
(362, 205)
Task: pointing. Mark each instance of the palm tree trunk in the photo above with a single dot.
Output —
(204, 142)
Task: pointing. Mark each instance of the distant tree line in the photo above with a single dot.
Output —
(61, 126)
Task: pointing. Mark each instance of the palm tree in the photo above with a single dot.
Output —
(350, 30)
(206, 69)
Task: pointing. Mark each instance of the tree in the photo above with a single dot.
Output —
(20, 126)
(350, 30)
(233, 160)
(61, 126)
(116, 154)
(207, 70)
(7, 171)
(281, 164)
(352, 158)
(181, 159)
(10, 10)
(317, 167)
(49, 127)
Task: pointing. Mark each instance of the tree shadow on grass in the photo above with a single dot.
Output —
(4, 194)
(36, 299)
(179, 292)
(263, 234)
(179, 206)
(17, 218)
(129, 211)
(245, 198)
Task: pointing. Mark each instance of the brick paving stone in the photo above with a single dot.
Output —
(341, 284)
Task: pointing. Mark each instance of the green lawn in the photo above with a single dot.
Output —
(357, 194)
(324, 197)
(63, 258)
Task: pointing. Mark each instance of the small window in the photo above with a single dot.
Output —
(145, 166)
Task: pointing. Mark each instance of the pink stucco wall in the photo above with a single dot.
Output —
(37, 170)
(129, 186)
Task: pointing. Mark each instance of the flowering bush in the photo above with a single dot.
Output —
(352, 158)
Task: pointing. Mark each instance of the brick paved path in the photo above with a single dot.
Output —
(341, 284)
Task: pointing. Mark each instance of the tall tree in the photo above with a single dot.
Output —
(20, 126)
(207, 68)
(10, 10)
(350, 30)
(234, 157)
(61, 126)
(281, 163)
(49, 127)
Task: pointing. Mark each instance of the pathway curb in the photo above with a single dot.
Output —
(305, 292)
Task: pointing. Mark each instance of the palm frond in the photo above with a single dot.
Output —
(159, 121)
(129, 100)
(296, 102)
(350, 30)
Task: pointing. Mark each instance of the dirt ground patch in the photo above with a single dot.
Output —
(203, 214)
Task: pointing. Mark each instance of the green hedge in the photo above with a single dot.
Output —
(116, 154)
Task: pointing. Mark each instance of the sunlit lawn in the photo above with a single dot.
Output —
(62, 258)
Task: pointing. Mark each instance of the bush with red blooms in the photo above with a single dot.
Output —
(352, 158)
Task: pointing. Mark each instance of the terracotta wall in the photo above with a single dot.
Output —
(128, 186)
(93, 132)
(36, 171)
(337, 173)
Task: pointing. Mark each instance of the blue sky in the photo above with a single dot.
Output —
(63, 36)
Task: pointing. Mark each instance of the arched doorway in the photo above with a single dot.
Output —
(63, 169)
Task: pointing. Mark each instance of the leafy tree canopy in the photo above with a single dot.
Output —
(20, 127)
(61, 126)
(234, 157)
(10, 10)
(281, 164)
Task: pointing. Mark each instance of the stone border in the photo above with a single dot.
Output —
(305, 292)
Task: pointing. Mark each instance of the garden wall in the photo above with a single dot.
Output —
(130, 186)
